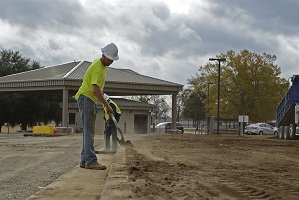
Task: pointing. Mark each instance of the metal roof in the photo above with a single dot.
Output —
(45, 73)
(70, 76)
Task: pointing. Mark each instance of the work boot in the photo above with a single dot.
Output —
(96, 166)
(82, 165)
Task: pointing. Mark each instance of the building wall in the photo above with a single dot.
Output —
(128, 117)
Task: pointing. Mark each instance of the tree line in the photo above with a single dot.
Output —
(250, 84)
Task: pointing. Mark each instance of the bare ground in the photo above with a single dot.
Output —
(164, 166)
(214, 167)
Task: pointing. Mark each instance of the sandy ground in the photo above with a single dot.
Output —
(164, 166)
(214, 167)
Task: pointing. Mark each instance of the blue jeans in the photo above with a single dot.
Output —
(88, 113)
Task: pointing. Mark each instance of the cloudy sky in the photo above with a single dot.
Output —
(166, 39)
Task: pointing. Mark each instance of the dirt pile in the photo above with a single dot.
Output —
(213, 167)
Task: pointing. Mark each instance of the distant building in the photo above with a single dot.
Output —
(65, 80)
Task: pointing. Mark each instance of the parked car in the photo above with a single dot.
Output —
(261, 129)
(166, 127)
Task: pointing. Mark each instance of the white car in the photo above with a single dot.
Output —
(166, 126)
(261, 129)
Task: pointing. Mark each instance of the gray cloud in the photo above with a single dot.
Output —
(161, 11)
(54, 45)
(265, 15)
(36, 14)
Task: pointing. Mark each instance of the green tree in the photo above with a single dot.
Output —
(5, 108)
(193, 104)
(12, 62)
(247, 82)
(162, 108)
(50, 109)
(141, 98)
(35, 109)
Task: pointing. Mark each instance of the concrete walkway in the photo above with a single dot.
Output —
(88, 184)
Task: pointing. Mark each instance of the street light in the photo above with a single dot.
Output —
(210, 83)
(218, 115)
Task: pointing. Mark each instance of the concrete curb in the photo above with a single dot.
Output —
(118, 176)
(87, 184)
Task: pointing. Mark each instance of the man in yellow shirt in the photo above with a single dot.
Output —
(87, 96)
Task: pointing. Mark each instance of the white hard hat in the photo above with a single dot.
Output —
(106, 97)
(110, 51)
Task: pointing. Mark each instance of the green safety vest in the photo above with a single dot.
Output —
(105, 109)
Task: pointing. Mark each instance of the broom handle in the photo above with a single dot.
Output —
(117, 126)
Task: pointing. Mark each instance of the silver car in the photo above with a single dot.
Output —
(261, 129)
(166, 127)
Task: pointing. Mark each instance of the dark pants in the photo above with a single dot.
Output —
(110, 132)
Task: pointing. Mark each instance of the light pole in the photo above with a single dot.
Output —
(218, 101)
(209, 83)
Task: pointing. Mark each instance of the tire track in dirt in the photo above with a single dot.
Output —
(268, 180)
(159, 179)
(215, 167)
(254, 188)
(247, 192)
